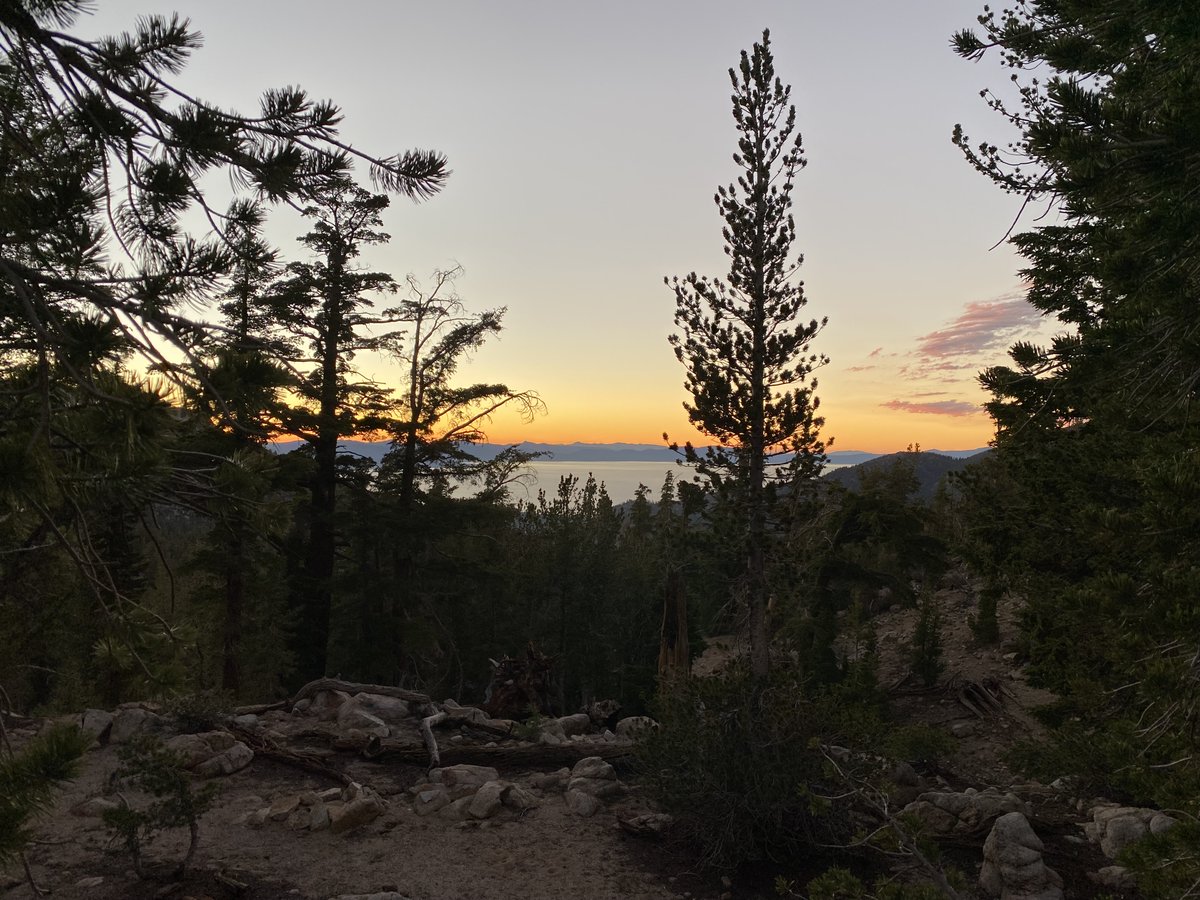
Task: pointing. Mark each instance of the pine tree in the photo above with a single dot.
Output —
(747, 357)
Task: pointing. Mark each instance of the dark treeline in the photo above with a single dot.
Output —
(151, 544)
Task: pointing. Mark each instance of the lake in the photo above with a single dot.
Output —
(621, 479)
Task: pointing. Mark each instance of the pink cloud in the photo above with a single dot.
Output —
(984, 327)
(861, 368)
(935, 407)
(874, 353)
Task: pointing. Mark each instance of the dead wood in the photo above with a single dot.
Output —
(351, 687)
(431, 746)
(306, 760)
(533, 755)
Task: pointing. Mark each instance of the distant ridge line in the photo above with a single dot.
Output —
(585, 452)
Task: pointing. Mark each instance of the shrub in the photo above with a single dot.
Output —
(28, 780)
(160, 772)
(737, 770)
(927, 643)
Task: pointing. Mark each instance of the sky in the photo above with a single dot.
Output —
(586, 142)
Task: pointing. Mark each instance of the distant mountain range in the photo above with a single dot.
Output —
(580, 452)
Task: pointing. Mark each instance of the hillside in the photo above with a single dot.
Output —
(931, 467)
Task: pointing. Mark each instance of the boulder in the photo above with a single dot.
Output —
(551, 781)
(1013, 868)
(363, 808)
(516, 797)
(391, 710)
(284, 807)
(632, 726)
(488, 800)
(947, 812)
(579, 723)
(226, 762)
(430, 798)
(592, 775)
(457, 811)
(129, 721)
(1115, 827)
(464, 775)
(581, 804)
(351, 716)
(97, 723)
(325, 704)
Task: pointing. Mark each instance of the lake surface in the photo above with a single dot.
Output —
(621, 479)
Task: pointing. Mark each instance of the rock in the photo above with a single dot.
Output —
(1013, 868)
(516, 797)
(226, 762)
(364, 808)
(284, 807)
(1162, 823)
(472, 776)
(329, 794)
(1116, 878)
(550, 739)
(651, 825)
(318, 816)
(97, 723)
(430, 799)
(551, 781)
(352, 716)
(962, 729)
(592, 775)
(302, 706)
(249, 720)
(581, 804)
(299, 820)
(904, 775)
(488, 800)
(1120, 832)
(458, 811)
(579, 723)
(391, 710)
(94, 807)
(128, 721)
(632, 726)
(258, 818)
(602, 712)
(93, 881)
(378, 895)
(947, 812)
(325, 704)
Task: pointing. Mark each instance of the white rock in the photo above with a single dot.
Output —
(354, 814)
(351, 715)
(1013, 868)
(96, 722)
(579, 723)
(632, 726)
(487, 800)
(581, 804)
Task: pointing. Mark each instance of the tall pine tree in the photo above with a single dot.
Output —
(749, 367)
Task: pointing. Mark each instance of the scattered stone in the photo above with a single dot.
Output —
(1013, 868)
(962, 729)
(248, 720)
(93, 881)
(581, 804)
(430, 799)
(1115, 827)
(318, 817)
(363, 808)
(652, 825)
(284, 807)
(456, 811)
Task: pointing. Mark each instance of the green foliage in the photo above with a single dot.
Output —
(926, 645)
(199, 711)
(985, 626)
(1167, 865)
(152, 767)
(746, 355)
(28, 780)
(842, 884)
(738, 767)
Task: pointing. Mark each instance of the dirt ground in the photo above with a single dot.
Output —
(544, 854)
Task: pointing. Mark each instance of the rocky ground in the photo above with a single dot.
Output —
(332, 797)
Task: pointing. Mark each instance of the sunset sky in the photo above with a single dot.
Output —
(586, 142)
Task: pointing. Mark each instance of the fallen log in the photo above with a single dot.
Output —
(305, 760)
(335, 684)
(531, 755)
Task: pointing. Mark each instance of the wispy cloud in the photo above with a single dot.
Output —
(861, 368)
(874, 353)
(985, 327)
(935, 407)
